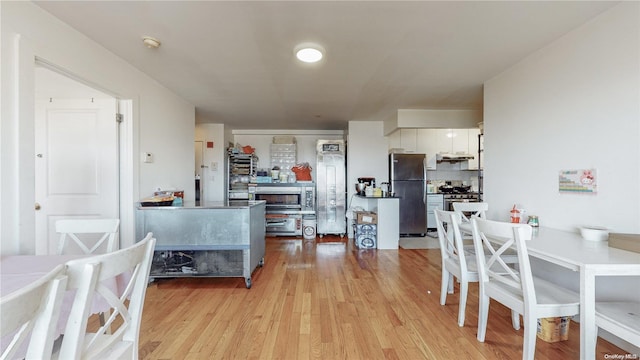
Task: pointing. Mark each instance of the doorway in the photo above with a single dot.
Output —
(77, 154)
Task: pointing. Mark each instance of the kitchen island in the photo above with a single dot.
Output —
(208, 239)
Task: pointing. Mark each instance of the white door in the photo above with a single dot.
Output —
(76, 164)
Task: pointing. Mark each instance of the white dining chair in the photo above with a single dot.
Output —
(469, 209)
(33, 310)
(88, 235)
(132, 263)
(515, 287)
(454, 261)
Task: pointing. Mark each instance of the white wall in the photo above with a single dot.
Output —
(575, 104)
(367, 156)
(213, 181)
(162, 122)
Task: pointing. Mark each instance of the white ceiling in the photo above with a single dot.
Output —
(234, 60)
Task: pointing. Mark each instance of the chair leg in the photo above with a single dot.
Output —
(464, 289)
(483, 314)
(530, 329)
(515, 320)
(444, 287)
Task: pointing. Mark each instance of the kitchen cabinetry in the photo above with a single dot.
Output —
(434, 201)
(427, 144)
(473, 149)
(452, 140)
(408, 140)
(207, 240)
(405, 139)
(241, 168)
(434, 141)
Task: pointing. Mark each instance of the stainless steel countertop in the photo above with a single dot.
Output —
(206, 205)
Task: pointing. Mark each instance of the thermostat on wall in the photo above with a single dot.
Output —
(147, 157)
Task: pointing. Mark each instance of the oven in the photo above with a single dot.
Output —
(285, 206)
(451, 198)
(287, 198)
(283, 224)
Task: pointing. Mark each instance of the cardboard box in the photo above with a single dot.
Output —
(366, 217)
(554, 329)
(629, 242)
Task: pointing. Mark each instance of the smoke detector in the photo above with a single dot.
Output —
(151, 43)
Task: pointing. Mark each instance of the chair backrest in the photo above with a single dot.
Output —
(491, 240)
(33, 309)
(88, 234)
(125, 302)
(450, 238)
(478, 209)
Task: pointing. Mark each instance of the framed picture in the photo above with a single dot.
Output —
(577, 181)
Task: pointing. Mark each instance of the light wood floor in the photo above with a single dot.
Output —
(327, 300)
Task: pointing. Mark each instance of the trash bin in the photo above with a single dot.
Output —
(309, 227)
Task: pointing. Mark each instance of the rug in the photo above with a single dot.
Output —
(426, 242)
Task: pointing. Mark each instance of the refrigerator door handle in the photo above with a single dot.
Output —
(424, 180)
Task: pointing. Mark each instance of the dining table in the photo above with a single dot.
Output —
(591, 259)
(17, 271)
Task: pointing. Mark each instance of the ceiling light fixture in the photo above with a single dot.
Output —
(309, 53)
(151, 43)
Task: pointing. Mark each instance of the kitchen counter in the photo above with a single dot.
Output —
(377, 197)
(388, 210)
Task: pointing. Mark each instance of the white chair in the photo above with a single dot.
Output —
(133, 263)
(454, 261)
(469, 209)
(33, 309)
(517, 289)
(84, 234)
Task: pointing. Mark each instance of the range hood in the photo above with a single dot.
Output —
(453, 157)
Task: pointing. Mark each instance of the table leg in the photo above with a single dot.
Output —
(588, 329)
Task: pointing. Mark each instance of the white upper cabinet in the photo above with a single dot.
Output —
(434, 141)
(408, 139)
(453, 140)
(394, 140)
(473, 148)
(427, 144)
(459, 140)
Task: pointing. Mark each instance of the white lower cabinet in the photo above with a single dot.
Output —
(434, 201)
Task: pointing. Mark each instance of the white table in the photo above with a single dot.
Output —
(571, 251)
(17, 271)
(591, 259)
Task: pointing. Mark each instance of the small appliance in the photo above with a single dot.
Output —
(364, 183)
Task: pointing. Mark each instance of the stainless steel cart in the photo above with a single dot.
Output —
(208, 240)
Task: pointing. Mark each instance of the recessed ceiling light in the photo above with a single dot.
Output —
(151, 43)
(309, 53)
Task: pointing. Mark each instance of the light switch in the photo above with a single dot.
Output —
(147, 157)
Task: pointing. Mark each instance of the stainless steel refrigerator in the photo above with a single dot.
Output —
(407, 175)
